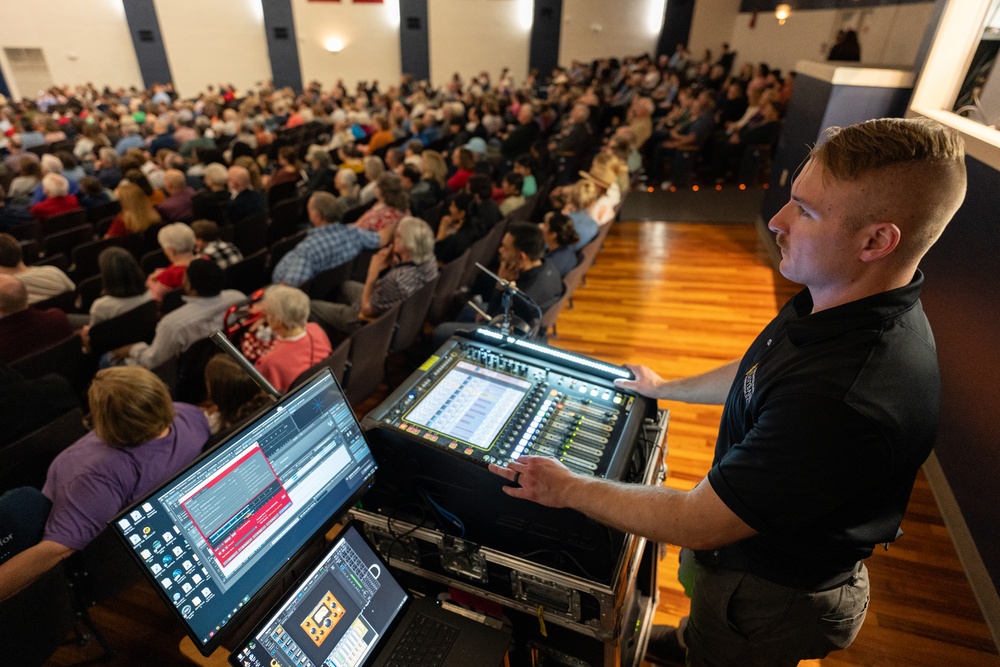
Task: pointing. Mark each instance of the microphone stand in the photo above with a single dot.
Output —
(506, 301)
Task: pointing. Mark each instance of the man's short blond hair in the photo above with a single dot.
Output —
(916, 168)
(129, 406)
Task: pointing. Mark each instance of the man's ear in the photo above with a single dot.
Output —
(883, 237)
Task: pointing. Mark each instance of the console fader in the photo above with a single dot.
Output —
(492, 398)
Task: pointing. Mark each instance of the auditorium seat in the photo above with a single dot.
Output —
(25, 462)
(369, 347)
(449, 281)
(336, 362)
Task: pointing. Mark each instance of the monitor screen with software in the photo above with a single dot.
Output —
(215, 535)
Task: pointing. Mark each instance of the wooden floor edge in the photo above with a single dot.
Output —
(968, 555)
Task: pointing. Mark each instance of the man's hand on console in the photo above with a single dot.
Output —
(646, 382)
(540, 479)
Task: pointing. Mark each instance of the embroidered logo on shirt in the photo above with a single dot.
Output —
(748, 383)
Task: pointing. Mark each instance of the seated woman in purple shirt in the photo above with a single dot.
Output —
(139, 439)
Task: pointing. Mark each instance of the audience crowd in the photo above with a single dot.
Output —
(397, 182)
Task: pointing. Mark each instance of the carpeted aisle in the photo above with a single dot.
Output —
(730, 205)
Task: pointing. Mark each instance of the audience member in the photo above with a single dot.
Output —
(321, 174)
(560, 239)
(289, 170)
(212, 203)
(394, 273)
(519, 139)
(512, 197)
(123, 286)
(483, 211)
(92, 193)
(233, 396)
(455, 231)
(205, 302)
(391, 204)
(29, 177)
(374, 168)
(139, 439)
(348, 191)
(245, 201)
(328, 244)
(137, 214)
(209, 244)
(57, 198)
(179, 203)
(522, 262)
(177, 241)
(298, 344)
(108, 172)
(465, 165)
(42, 282)
(23, 328)
(524, 167)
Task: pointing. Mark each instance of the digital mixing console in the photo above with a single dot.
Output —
(492, 400)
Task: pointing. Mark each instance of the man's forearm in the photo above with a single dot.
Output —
(710, 388)
(694, 519)
(20, 571)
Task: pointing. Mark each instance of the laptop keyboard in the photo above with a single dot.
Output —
(425, 643)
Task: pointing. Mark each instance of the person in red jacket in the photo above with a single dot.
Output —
(57, 198)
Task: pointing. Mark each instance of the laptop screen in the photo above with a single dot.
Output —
(215, 535)
(337, 616)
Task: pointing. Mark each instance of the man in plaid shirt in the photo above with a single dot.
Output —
(394, 274)
(327, 245)
(208, 244)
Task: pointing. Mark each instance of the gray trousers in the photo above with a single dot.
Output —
(739, 619)
(339, 318)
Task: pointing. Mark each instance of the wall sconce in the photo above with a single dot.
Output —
(782, 12)
(334, 45)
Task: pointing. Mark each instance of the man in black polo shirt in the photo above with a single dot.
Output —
(827, 418)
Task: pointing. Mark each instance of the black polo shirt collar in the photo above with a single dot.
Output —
(809, 327)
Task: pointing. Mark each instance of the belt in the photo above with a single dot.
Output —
(732, 558)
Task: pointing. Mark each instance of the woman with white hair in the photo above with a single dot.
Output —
(374, 167)
(57, 198)
(298, 344)
(348, 190)
(178, 242)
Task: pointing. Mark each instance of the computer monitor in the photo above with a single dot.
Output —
(214, 536)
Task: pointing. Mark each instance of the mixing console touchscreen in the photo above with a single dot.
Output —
(492, 404)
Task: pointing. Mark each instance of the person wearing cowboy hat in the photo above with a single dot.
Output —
(605, 173)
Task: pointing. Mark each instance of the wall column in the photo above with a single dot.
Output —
(414, 43)
(144, 27)
(544, 51)
(282, 45)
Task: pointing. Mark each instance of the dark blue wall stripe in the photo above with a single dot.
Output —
(414, 43)
(545, 34)
(676, 26)
(282, 45)
(144, 27)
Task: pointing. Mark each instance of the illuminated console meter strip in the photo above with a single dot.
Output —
(470, 404)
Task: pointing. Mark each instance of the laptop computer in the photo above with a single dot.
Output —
(218, 539)
(350, 610)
